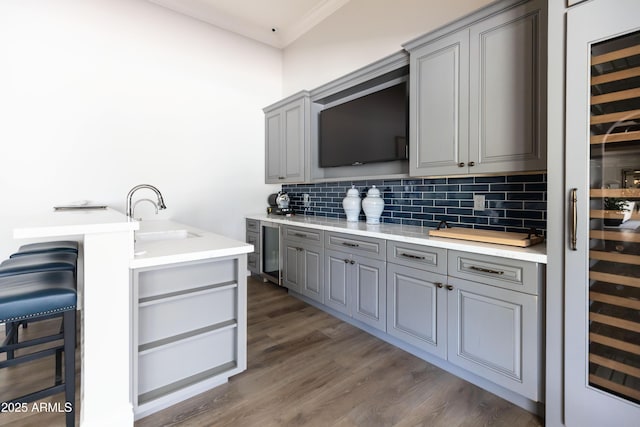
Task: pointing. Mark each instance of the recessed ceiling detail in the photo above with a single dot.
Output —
(274, 22)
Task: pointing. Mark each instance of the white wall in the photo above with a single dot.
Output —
(98, 96)
(361, 32)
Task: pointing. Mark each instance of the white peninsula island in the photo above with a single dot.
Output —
(147, 307)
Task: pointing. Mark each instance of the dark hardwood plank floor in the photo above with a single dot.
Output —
(307, 368)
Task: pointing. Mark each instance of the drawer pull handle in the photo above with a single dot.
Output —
(299, 235)
(411, 256)
(281, 177)
(351, 245)
(449, 287)
(486, 270)
(439, 285)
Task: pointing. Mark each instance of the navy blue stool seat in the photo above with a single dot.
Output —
(41, 247)
(47, 261)
(35, 296)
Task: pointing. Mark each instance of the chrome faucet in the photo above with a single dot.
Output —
(159, 205)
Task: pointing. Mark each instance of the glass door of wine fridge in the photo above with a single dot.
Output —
(602, 279)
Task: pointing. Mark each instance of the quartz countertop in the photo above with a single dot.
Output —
(161, 242)
(73, 222)
(409, 234)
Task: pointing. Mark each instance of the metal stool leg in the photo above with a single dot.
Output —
(70, 364)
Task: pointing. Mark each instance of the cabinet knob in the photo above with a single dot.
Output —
(472, 163)
(346, 261)
(449, 287)
(352, 262)
(439, 285)
(461, 164)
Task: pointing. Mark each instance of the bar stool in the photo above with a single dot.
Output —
(36, 262)
(37, 296)
(41, 247)
(44, 261)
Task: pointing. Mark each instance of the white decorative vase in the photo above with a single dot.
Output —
(351, 204)
(373, 205)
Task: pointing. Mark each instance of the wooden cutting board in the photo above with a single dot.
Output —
(488, 236)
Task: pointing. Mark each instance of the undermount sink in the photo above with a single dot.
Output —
(154, 236)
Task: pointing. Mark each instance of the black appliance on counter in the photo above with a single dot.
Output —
(279, 204)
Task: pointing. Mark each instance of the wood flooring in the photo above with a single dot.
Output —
(307, 368)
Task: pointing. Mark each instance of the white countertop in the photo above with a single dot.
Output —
(409, 234)
(73, 222)
(198, 245)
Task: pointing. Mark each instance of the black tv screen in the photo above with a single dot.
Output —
(369, 129)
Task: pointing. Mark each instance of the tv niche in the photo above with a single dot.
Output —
(368, 129)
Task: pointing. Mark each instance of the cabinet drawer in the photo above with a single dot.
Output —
(303, 235)
(505, 273)
(417, 256)
(179, 313)
(253, 238)
(162, 368)
(357, 245)
(253, 225)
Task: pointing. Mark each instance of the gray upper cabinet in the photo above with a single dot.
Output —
(287, 139)
(438, 105)
(477, 97)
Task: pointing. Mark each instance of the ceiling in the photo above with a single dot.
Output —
(274, 22)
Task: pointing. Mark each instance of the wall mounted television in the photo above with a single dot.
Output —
(368, 129)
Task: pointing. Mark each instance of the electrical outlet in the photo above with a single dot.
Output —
(478, 202)
(306, 200)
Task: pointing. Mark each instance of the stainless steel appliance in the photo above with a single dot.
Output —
(271, 266)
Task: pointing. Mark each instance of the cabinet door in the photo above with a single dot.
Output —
(285, 143)
(293, 268)
(337, 276)
(602, 262)
(417, 308)
(293, 143)
(369, 280)
(273, 130)
(313, 284)
(438, 123)
(506, 92)
(494, 333)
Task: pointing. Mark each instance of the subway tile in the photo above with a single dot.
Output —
(435, 180)
(507, 187)
(525, 178)
(459, 211)
(452, 203)
(447, 188)
(522, 198)
(476, 188)
(459, 195)
(463, 180)
(489, 179)
(523, 214)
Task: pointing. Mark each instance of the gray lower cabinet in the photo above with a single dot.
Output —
(355, 286)
(494, 322)
(477, 96)
(253, 238)
(303, 258)
(417, 308)
(287, 130)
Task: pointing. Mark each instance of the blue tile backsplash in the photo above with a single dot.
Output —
(512, 203)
